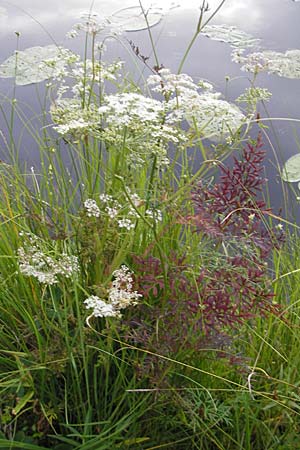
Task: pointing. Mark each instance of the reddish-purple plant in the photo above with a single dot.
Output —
(232, 209)
(205, 300)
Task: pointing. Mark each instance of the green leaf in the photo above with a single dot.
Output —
(22, 402)
(231, 35)
(36, 64)
(10, 445)
(291, 169)
(132, 18)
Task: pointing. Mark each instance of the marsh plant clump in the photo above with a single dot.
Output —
(144, 297)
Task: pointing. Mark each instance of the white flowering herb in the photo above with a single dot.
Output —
(47, 268)
(254, 94)
(126, 223)
(123, 109)
(142, 119)
(285, 64)
(198, 104)
(92, 208)
(73, 33)
(120, 211)
(154, 214)
(71, 118)
(71, 112)
(111, 207)
(100, 307)
(167, 83)
(119, 296)
(36, 64)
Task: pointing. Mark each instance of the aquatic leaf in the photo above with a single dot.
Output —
(214, 118)
(36, 64)
(133, 19)
(231, 35)
(282, 64)
(291, 169)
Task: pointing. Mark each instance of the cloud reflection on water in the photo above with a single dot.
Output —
(25, 15)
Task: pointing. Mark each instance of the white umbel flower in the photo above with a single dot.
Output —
(100, 307)
(92, 208)
(120, 296)
(34, 262)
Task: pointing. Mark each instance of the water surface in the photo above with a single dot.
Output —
(275, 22)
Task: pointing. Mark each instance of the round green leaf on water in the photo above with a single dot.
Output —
(133, 19)
(291, 169)
(35, 64)
(230, 34)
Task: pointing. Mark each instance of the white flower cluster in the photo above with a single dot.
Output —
(92, 208)
(94, 71)
(283, 64)
(144, 119)
(211, 116)
(254, 94)
(126, 223)
(151, 125)
(167, 83)
(122, 109)
(100, 307)
(124, 214)
(111, 208)
(71, 118)
(47, 269)
(154, 214)
(75, 110)
(120, 296)
(253, 62)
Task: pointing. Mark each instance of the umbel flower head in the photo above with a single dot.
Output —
(34, 262)
(120, 296)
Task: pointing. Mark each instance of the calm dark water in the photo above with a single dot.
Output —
(275, 22)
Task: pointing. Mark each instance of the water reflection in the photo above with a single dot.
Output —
(40, 22)
(21, 16)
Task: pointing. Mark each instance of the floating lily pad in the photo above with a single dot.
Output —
(291, 169)
(35, 64)
(231, 35)
(216, 119)
(133, 19)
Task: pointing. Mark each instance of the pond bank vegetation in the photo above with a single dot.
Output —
(149, 293)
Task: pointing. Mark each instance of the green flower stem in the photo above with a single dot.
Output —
(199, 28)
